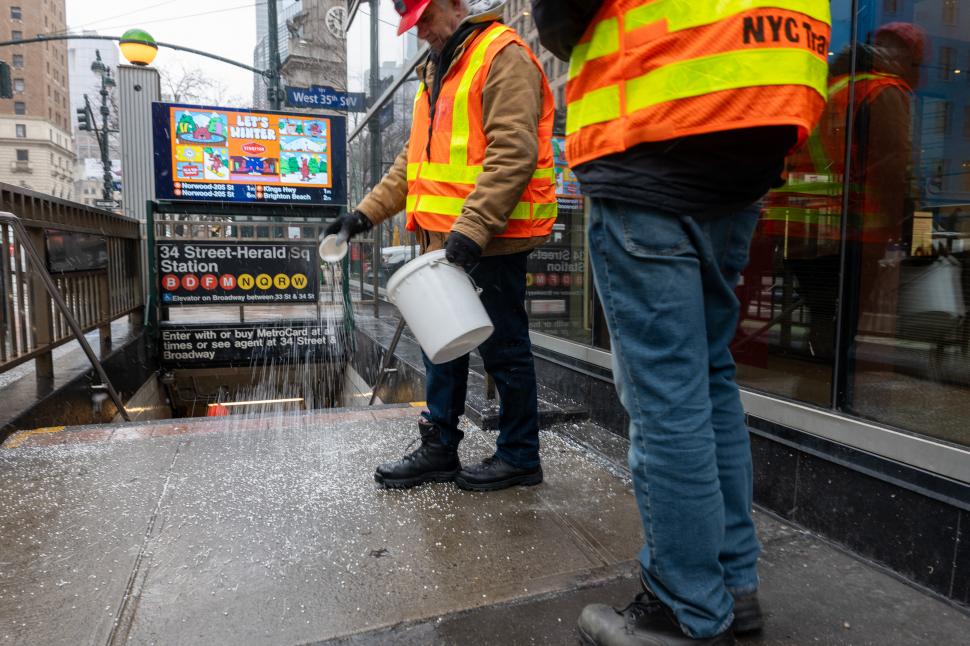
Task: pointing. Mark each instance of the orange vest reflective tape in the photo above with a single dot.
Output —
(653, 70)
(442, 172)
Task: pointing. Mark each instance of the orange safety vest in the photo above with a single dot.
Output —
(653, 70)
(807, 210)
(439, 183)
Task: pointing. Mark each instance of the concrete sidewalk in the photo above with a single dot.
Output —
(272, 531)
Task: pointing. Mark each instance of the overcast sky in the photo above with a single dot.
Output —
(223, 27)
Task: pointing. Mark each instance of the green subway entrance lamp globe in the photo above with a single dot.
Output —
(138, 47)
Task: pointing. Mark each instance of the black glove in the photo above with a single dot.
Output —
(462, 251)
(353, 223)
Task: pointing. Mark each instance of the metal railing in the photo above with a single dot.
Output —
(31, 322)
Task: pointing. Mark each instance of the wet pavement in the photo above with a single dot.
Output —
(272, 531)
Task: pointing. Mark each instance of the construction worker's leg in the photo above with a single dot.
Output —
(725, 241)
(445, 385)
(648, 275)
(508, 357)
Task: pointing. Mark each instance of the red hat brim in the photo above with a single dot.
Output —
(411, 18)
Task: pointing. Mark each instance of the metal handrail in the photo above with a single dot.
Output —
(386, 361)
(55, 295)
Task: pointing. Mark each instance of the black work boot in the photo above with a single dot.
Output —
(433, 461)
(645, 622)
(494, 473)
(748, 618)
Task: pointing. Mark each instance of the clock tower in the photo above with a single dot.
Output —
(317, 48)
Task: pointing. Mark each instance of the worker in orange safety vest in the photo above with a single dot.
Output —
(679, 118)
(476, 179)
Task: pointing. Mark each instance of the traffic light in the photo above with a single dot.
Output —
(83, 119)
(6, 85)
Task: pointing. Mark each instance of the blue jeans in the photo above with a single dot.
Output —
(667, 287)
(507, 355)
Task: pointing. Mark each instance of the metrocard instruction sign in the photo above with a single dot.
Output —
(247, 344)
(220, 273)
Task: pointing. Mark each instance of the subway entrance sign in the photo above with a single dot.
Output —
(244, 273)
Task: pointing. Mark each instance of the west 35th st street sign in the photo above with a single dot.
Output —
(324, 96)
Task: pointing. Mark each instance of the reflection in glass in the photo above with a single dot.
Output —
(786, 334)
(557, 281)
(859, 270)
(906, 351)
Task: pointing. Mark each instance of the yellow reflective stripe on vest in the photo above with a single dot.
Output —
(452, 206)
(816, 150)
(728, 71)
(545, 211)
(461, 174)
(450, 173)
(596, 106)
(697, 77)
(526, 211)
(410, 203)
(460, 125)
(440, 205)
(682, 15)
(842, 83)
(822, 188)
(605, 41)
(799, 215)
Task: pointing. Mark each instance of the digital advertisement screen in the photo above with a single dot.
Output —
(212, 154)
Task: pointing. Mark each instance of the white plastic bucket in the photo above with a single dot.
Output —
(441, 306)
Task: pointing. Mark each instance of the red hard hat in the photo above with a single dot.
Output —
(410, 12)
(909, 34)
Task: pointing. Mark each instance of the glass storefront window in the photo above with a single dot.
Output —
(787, 330)
(906, 359)
(856, 295)
(558, 291)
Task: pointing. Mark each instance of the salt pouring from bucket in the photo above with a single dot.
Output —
(333, 247)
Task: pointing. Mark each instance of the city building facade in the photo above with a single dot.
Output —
(36, 147)
(286, 10)
(853, 347)
(316, 51)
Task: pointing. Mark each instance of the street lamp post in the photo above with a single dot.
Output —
(107, 81)
(140, 59)
(274, 91)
